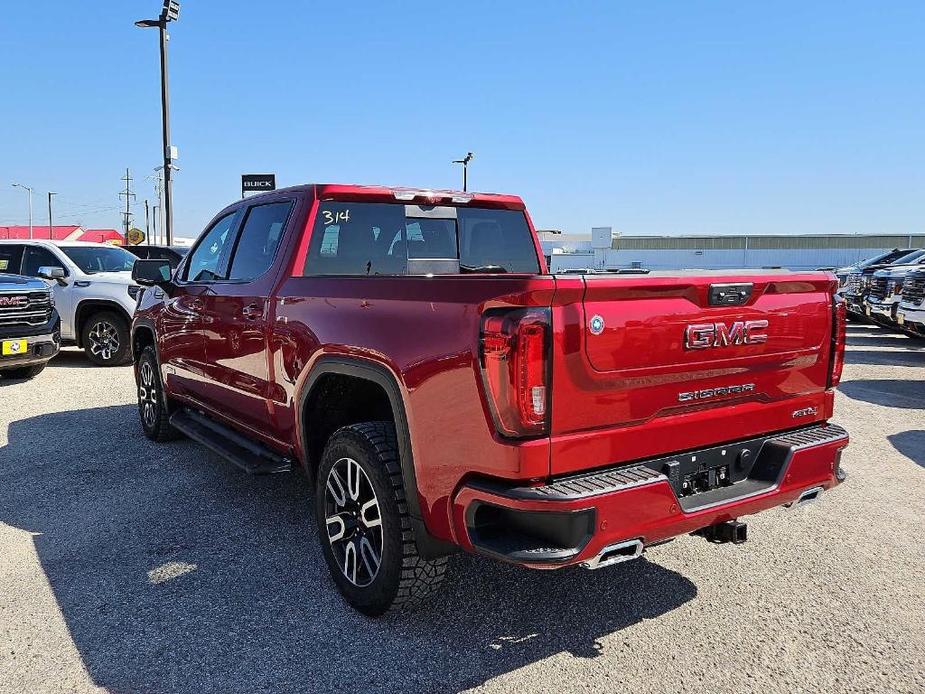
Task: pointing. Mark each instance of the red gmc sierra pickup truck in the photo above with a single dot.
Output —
(441, 389)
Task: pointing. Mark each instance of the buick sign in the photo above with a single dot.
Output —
(257, 183)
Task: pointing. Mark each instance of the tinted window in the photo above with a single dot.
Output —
(377, 239)
(203, 264)
(36, 257)
(93, 259)
(496, 237)
(259, 240)
(10, 258)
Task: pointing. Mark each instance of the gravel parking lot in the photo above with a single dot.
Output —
(137, 567)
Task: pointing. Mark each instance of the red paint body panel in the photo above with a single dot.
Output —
(614, 396)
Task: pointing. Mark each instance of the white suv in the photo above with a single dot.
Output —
(93, 291)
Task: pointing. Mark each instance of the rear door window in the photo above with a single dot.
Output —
(258, 240)
(380, 239)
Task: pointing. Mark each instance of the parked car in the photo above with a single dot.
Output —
(410, 351)
(886, 288)
(844, 273)
(857, 285)
(92, 289)
(30, 330)
(172, 254)
(911, 314)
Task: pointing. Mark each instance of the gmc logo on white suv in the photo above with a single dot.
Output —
(706, 335)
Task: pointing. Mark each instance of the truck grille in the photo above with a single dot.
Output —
(25, 308)
(853, 284)
(878, 288)
(914, 290)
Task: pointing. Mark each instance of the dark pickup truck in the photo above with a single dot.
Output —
(442, 390)
(30, 330)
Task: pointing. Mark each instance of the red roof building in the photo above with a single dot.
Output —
(63, 233)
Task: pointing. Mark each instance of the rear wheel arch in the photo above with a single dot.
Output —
(380, 387)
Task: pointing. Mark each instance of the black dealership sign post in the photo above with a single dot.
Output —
(257, 183)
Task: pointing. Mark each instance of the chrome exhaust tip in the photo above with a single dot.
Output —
(614, 554)
(806, 496)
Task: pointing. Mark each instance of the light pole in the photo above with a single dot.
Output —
(169, 13)
(465, 164)
(20, 185)
(51, 228)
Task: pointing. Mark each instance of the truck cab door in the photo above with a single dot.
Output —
(182, 326)
(237, 321)
(33, 258)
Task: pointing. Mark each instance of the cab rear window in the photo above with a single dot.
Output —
(395, 239)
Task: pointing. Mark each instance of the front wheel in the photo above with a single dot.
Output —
(106, 339)
(152, 402)
(364, 526)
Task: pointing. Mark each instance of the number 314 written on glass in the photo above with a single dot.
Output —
(330, 217)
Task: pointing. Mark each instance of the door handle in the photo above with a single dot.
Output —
(252, 311)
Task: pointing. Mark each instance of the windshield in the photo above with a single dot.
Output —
(910, 258)
(93, 259)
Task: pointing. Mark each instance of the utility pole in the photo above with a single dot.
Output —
(51, 226)
(169, 13)
(147, 224)
(20, 185)
(127, 215)
(465, 164)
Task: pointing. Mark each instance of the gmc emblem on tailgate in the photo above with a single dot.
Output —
(14, 300)
(705, 335)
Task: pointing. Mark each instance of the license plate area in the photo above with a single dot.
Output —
(14, 348)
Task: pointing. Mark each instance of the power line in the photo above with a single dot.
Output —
(129, 195)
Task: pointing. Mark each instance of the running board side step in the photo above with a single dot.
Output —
(250, 456)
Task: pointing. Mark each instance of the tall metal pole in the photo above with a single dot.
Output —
(30, 213)
(167, 218)
(51, 226)
(147, 224)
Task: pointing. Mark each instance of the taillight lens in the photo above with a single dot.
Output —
(839, 329)
(515, 370)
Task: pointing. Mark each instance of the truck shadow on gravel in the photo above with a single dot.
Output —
(176, 572)
(886, 392)
(911, 444)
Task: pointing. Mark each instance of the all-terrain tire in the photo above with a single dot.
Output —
(153, 404)
(404, 579)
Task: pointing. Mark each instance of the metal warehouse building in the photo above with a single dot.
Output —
(796, 252)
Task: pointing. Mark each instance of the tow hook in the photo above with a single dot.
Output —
(730, 531)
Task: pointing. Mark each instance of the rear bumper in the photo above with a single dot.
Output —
(572, 520)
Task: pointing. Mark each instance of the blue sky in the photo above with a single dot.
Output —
(655, 118)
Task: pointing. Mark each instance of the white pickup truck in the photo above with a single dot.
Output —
(92, 287)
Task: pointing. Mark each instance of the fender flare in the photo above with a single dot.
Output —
(381, 375)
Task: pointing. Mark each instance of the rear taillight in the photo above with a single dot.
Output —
(514, 361)
(839, 326)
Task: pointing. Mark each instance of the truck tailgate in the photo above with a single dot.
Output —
(652, 359)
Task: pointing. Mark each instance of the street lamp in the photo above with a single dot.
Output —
(465, 162)
(20, 185)
(169, 13)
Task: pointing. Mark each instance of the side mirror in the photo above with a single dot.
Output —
(52, 272)
(150, 273)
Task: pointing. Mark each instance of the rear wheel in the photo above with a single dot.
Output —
(106, 339)
(24, 371)
(364, 526)
(153, 405)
